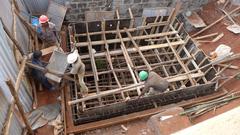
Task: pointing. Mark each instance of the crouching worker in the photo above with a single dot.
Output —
(78, 68)
(154, 81)
(38, 75)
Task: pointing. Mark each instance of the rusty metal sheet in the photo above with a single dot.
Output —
(195, 20)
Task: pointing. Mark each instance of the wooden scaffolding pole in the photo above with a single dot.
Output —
(138, 49)
(93, 64)
(128, 60)
(133, 87)
(142, 48)
(180, 62)
(110, 41)
(19, 105)
(109, 59)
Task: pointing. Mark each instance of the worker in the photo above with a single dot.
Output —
(78, 68)
(38, 75)
(153, 80)
(47, 32)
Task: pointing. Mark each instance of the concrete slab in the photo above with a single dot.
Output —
(168, 122)
(224, 124)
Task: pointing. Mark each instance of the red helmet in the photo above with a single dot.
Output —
(43, 19)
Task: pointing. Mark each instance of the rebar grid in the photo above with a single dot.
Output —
(114, 52)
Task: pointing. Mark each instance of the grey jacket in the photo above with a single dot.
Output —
(156, 82)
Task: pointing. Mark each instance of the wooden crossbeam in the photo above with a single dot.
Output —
(109, 59)
(19, 105)
(133, 87)
(128, 60)
(93, 64)
(149, 25)
(138, 50)
(110, 41)
(142, 48)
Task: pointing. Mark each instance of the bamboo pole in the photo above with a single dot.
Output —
(138, 49)
(110, 41)
(7, 123)
(12, 38)
(142, 48)
(19, 105)
(133, 86)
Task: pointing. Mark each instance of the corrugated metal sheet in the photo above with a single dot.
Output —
(37, 7)
(9, 70)
(16, 128)
(6, 13)
(4, 106)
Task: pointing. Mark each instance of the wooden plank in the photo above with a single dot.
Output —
(109, 59)
(138, 115)
(20, 74)
(128, 61)
(136, 85)
(206, 36)
(110, 41)
(19, 105)
(179, 60)
(149, 25)
(45, 51)
(142, 48)
(138, 50)
(15, 42)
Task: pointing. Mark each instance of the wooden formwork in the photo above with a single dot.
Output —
(115, 51)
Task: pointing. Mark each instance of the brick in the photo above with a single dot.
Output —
(127, 1)
(100, 3)
(145, 1)
(92, 4)
(73, 5)
(137, 1)
(82, 5)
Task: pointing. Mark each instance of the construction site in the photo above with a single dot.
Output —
(119, 67)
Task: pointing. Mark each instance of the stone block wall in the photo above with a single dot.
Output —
(78, 7)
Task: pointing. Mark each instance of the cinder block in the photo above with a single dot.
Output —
(175, 122)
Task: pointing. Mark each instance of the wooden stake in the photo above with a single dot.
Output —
(134, 86)
(7, 123)
(12, 38)
(19, 105)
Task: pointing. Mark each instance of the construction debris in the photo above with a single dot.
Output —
(202, 108)
(44, 114)
(195, 20)
(57, 124)
(221, 52)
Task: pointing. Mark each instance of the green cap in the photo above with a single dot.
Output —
(143, 75)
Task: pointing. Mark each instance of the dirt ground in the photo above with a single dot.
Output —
(209, 14)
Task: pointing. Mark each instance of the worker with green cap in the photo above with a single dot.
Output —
(153, 80)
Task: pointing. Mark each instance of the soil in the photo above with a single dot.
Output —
(209, 14)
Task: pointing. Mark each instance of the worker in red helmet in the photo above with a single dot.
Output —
(47, 32)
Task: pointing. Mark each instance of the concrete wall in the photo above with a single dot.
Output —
(78, 7)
